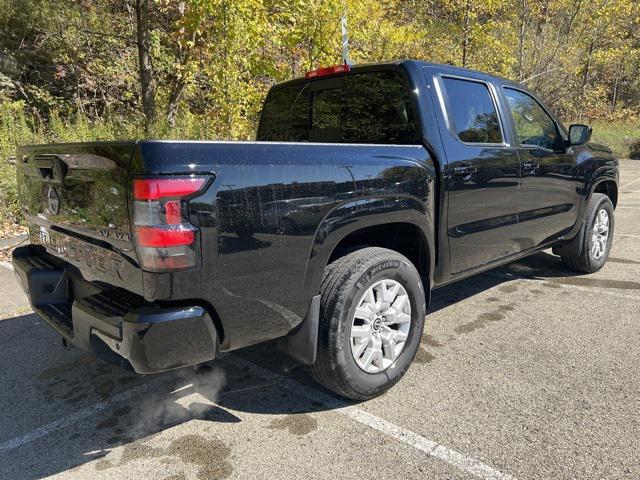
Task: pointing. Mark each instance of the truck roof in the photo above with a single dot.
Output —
(445, 68)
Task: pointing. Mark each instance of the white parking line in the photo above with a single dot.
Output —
(63, 422)
(600, 292)
(452, 457)
(630, 183)
(45, 430)
(431, 448)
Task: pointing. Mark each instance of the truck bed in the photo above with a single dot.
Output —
(265, 222)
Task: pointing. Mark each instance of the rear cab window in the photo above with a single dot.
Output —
(367, 107)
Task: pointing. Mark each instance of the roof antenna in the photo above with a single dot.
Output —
(345, 41)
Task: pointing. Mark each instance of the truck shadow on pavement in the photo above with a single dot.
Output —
(65, 387)
(67, 408)
(540, 266)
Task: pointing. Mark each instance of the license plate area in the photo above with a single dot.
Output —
(48, 286)
(92, 258)
(49, 291)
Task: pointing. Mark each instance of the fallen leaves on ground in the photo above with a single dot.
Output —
(9, 230)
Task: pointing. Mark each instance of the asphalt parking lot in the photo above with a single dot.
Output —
(527, 372)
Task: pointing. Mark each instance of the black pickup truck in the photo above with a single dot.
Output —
(367, 188)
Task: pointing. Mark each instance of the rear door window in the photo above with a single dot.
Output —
(372, 107)
(472, 112)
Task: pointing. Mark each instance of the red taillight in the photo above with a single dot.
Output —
(323, 72)
(173, 212)
(165, 239)
(156, 188)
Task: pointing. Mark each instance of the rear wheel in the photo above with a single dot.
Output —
(371, 320)
(598, 236)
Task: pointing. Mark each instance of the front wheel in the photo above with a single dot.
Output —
(371, 320)
(598, 236)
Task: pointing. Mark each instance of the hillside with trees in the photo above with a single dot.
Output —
(103, 69)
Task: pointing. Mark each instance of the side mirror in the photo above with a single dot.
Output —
(579, 134)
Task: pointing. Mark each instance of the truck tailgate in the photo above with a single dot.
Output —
(75, 199)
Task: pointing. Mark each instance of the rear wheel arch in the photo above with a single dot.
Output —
(348, 228)
(405, 238)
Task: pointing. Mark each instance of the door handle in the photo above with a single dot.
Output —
(464, 170)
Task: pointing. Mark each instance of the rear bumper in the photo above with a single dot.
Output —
(116, 325)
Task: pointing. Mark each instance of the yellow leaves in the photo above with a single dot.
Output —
(229, 52)
(244, 46)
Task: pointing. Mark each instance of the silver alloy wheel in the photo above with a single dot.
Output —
(380, 326)
(600, 234)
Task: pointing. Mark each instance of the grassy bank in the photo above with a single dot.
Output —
(615, 134)
(16, 128)
(20, 128)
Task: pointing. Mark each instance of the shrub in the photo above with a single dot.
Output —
(16, 128)
(634, 148)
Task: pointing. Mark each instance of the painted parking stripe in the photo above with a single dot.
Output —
(63, 422)
(630, 183)
(431, 448)
(97, 408)
(452, 457)
(412, 439)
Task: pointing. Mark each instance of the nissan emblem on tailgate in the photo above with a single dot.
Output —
(53, 200)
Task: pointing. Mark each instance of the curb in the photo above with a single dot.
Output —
(13, 241)
(7, 265)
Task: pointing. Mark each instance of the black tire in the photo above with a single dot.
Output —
(584, 261)
(344, 283)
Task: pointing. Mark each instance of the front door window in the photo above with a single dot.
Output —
(534, 126)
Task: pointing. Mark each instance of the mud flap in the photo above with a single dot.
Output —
(571, 248)
(302, 343)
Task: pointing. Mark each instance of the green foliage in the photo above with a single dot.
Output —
(620, 135)
(214, 60)
(16, 128)
(634, 148)
(69, 68)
